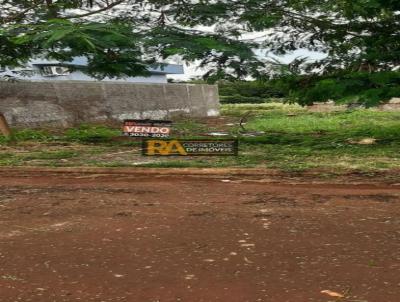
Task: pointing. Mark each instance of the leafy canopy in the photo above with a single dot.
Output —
(121, 37)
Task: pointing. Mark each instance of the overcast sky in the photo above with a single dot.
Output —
(192, 70)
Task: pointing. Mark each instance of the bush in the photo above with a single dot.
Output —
(250, 92)
(255, 92)
(368, 89)
(240, 99)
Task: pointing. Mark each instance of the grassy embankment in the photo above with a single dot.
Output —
(293, 140)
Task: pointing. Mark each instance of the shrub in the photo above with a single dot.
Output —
(368, 89)
(240, 99)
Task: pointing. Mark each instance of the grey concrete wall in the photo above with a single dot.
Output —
(392, 105)
(71, 103)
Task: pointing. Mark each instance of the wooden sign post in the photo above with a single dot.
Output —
(4, 128)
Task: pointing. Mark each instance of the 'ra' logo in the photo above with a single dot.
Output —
(159, 147)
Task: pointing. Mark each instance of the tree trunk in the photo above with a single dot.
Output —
(52, 11)
(4, 128)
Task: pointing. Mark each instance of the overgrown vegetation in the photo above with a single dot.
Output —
(275, 135)
(255, 92)
(367, 89)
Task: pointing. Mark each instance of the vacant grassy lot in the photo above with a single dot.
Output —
(274, 135)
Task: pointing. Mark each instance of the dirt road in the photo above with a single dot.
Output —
(132, 237)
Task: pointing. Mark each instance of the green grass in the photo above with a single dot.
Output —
(91, 134)
(259, 109)
(42, 157)
(293, 140)
(297, 140)
(358, 123)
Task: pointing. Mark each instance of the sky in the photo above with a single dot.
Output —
(192, 69)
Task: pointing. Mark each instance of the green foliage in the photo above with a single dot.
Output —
(356, 35)
(218, 52)
(301, 141)
(359, 37)
(239, 110)
(91, 134)
(248, 92)
(296, 139)
(240, 99)
(121, 37)
(249, 89)
(337, 126)
(111, 49)
(367, 89)
(293, 139)
(26, 135)
(63, 154)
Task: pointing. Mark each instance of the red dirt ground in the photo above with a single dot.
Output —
(132, 237)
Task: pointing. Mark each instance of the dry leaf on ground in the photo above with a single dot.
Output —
(332, 293)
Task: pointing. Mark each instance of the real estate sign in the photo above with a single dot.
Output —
(157, 147)
(147, 128)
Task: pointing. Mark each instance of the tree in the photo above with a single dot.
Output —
(119, 37)
(123, 36)
(356, 35)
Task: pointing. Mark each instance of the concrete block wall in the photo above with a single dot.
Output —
(66, 104)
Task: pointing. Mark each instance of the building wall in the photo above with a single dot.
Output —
(70, 103)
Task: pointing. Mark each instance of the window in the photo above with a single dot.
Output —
(53, 71)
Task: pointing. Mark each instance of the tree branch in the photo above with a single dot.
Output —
(16, 17)
(96, 11)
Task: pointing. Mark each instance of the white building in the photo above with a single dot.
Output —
(47, 70)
